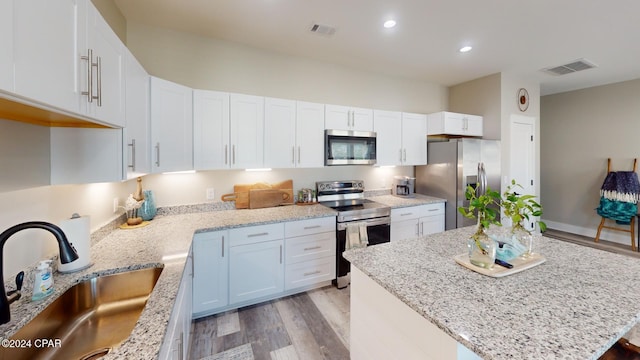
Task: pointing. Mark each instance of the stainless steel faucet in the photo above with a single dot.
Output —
(67, 255)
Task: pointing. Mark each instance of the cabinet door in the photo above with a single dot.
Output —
(432, 224)
(211, 130)
(404, 229)
(362, 119)
(187, 306)
(388, 128)
(473, 125)
(256, 270)
(454, 123)
(108, 78)
(414, 139)
(337, 117)
(6, 44)
(137, 132)
(45, 51)
(309, 135)
(171, 126)
(247, 131)
(279, 133)
(210, 272)
(86, 155)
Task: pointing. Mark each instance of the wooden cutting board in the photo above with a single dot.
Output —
(264, 198)
(241, 192)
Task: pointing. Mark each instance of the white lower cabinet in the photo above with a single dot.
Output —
(256, 263)
(414, 221)
(211, 272)
(177, 340)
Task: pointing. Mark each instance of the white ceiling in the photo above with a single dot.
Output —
(507, 35)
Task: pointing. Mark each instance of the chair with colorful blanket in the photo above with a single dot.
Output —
(619, 197)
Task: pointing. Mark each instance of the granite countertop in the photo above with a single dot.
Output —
(400, 202)
(165, 242)
(576, 305)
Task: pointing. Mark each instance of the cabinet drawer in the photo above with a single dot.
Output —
(310, 247)
(309, 226)
(310, 272)
(432, 209)
(256, 234)
(415, 212)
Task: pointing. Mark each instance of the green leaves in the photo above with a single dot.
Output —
(520, 207)
(480, 206)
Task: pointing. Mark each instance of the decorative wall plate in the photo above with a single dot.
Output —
(523, 99)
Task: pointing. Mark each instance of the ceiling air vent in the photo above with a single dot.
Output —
(577, 65)
(325, 30)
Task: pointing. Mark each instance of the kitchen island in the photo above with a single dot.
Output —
(420, 303)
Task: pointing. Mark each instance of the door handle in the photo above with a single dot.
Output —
(133, 154)
(158, 154)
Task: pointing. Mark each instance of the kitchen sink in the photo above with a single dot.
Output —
(88, 320)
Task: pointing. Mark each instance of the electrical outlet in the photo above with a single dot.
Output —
(211, 194)
(115, 205)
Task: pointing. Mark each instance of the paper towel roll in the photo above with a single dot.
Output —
(78, 232)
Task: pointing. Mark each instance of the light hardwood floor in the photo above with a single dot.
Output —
(311, 325)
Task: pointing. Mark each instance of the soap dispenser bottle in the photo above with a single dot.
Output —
(43, 282)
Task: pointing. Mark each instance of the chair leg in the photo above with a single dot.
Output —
(633, 233)
(599, 230)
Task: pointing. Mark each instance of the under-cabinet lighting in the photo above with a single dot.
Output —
(174, 256)
(262, 169)
(384, 166)
(180, 172)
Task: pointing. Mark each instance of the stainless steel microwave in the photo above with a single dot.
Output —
(347, 147)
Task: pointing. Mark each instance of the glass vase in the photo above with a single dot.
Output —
(148, 209)
(525, 238)
(482, 249)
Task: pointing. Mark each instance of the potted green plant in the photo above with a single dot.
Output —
(484, 208)
(520, 208)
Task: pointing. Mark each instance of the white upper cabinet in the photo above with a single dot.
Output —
(414, 139)
(137, 150)
(247, 131)
(279, 133)
(401, 138)
(449, 123)
(45, 60)
(101, 70)
(211, 148)
(6, 44)
(309, 134)
(388, 128)
(171, 126)
(348, 118)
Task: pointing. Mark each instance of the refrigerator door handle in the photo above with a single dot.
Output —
(484, 179)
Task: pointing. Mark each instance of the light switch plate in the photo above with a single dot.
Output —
(211, 194)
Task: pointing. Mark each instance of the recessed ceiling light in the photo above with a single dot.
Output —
(465, 49)
(389, 24)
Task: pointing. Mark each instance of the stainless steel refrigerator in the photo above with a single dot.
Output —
(454, 164)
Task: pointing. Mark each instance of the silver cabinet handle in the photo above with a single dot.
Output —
(226, 154)
(233, 154)
(312, 248)
(422, 228)
(133, 154)
(432, 210)
(258, 234)
(417, 229)
(158, 154)
(280, 254)
(99, 80)
(406, 214)
(312, 273)
(298, 154)
(293, 154)
(222, 246)
(89, 59)
(311, 227)
(400, 155)
(404, 155)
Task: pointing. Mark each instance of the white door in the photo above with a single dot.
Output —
(210, 271)
(388, 128)
(6, 44)
(211, 148)
(137, 152)
(171, 126)
(256, 270)
(108, 52)
(279, 133)
(414, 139)
(247, 131)
(309, 134)
(522, 152)
(45, 51)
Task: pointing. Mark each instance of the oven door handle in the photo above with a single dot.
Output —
(372, 222)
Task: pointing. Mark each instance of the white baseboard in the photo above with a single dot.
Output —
(608, 235)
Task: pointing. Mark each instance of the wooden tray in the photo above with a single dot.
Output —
(519, 264)
(127, 226)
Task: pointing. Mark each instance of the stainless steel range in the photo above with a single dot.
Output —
(347, 197)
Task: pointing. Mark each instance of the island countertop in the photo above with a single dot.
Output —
(576, 305)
